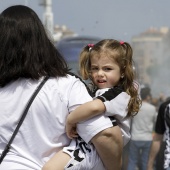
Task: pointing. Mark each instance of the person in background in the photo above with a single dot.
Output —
(161, 136)
(142, 132)
(27, 55)
(108, 64)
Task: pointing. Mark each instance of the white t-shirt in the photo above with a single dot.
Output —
(144, 122)
(42, 133)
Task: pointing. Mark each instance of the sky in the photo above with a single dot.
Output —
(119, 19)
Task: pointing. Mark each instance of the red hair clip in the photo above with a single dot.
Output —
(90, 46)
(122, 42)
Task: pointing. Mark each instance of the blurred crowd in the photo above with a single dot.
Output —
(141, 153)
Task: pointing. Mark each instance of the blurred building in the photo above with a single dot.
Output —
(151, 51)
(148, 49)
(71, 46)
(63, 32)
(57, 32)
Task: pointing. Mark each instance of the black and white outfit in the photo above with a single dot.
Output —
(163, 127)
(83, 154)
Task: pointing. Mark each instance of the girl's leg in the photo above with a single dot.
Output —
(57, 162)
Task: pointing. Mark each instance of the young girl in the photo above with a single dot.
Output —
(109, 65)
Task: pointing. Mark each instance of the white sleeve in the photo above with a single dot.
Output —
(89, 128)
(118, 106)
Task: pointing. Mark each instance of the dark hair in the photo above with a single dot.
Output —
(145, 92)
(26, 50)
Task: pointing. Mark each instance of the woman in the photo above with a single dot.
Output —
(26, 56)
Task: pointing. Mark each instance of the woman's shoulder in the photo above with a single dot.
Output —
(65, 83)
(61, 82)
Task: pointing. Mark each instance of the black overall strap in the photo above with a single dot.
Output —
(88, 89)
(22, 119)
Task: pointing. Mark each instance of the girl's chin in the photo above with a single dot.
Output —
(102, 86)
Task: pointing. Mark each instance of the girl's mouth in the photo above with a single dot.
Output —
(101, 81)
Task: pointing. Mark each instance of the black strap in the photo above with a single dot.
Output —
(22, 119)
(88, 89)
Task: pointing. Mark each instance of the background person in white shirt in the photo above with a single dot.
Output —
(142, 132)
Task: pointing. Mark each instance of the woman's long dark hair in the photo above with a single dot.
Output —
(25, 48)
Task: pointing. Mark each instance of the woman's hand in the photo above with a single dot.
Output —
(71, 128)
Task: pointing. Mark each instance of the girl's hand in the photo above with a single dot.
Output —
(71, 129)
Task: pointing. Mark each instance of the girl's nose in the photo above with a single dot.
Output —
(100, 73)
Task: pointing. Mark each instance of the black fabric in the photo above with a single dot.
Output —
(167, 117)
(113, 120)
(160, 125)
(163, 123)
(110, 94)
(88, 89)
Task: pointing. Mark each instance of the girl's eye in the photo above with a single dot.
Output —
(94, 68)
(107, 68)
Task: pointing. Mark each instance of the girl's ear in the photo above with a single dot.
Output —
(122, 72)
(122, 75)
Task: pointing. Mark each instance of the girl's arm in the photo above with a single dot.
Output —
(91, 109)
(95, 107)
(87, 111)
(82, 113)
